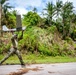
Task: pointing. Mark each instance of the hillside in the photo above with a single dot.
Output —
(46, 41)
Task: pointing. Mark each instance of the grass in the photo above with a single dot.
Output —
(38, 59)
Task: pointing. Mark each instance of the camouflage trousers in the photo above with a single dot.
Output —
(13, 51)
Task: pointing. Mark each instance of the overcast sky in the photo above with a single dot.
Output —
(23, 6)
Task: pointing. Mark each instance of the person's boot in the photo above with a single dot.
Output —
(23, 65)
(0, 63)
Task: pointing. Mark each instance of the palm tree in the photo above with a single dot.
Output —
(35, 9)
(73, 16)
(58, 7)
(50, 12)
(4, 8)
(67, 11)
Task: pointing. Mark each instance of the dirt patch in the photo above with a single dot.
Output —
(50, 72)
(24, 70)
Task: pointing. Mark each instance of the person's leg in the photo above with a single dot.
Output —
(20, 58)
(9, 54)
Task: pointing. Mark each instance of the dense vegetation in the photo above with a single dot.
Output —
(53, 35)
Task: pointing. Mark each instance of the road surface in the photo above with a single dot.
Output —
(39, 69)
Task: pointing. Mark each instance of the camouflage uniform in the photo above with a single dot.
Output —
(14, 49)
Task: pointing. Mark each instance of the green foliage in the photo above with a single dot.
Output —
(30, 40)
(42, 34)
(68, 48)
(55, 50)
(4, 48)
(1, 49)
(39, 59)
(44, 42)
(58, 7)
(5, 6)
(69, 40)
(52, 29)
(67, 10)
(41, 41)
(50, 12)
(9, 20)
(31, 18)
(73, 34)
(44, 49)
(59, 25)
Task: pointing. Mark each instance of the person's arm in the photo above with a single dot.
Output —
(20, 37)
(14, 44)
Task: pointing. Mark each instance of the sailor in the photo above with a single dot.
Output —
(14, 48)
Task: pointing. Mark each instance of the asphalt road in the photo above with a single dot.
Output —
(39, 69)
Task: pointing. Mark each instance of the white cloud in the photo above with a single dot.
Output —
(21, 11)
(25, 3)
(74, 2)
(21, 5)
